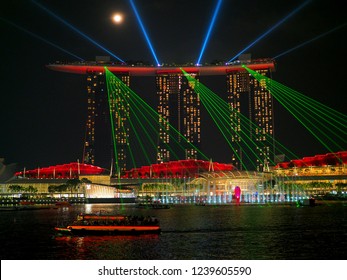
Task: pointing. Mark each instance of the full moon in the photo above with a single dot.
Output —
(117, 18)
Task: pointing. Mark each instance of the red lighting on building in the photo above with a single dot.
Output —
(177, 169)
(63, 171)
(82, 68)
(331, 159)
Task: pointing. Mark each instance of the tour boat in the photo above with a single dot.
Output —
(307, 202)
(94, 224)
(154, 204)
(200, 203)
(26, 203)
(63, 203)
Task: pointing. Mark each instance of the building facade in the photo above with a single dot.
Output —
(252, 120)
(179, 117)
(107, 128)
(119, 113)
(178, 108)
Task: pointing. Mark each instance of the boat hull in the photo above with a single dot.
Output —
(108, 230)
(93, 224)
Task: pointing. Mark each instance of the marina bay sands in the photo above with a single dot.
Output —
(202, 132)
(122, 128)
(177, 105)
(137, 139)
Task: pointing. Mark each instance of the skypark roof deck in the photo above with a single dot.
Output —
(134, 70)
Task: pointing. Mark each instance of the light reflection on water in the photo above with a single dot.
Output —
(188, 232)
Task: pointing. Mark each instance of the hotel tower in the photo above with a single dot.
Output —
(178, 108)
(252, 118)
(99, 145)
(179, 116)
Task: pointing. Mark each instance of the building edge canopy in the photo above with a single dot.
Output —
(69, 170)
(177, 169)
(209, 70)
(333, 159)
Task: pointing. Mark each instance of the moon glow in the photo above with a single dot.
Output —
(117, 18)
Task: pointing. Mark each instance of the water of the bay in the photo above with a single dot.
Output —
(245, 232)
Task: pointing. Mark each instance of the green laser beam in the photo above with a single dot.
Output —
(313, 115)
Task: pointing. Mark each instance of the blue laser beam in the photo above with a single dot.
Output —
(144, 32)
(310, 41)
(271, 29)
(76, 30)
(40, 38)
(216, 10)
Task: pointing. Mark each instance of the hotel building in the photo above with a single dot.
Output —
(252, 120)
(99, 145)
(179, 112)
(179, 116)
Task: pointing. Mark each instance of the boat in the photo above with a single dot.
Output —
(307, 202)
(63, 203)
(154, 204)
(200, 203)
(97, 224)
(26, 203)
(157, 204)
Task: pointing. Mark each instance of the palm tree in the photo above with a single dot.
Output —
(30, 190)
(73, 184)
(15, 188)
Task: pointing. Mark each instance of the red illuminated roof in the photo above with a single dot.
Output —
(83, 68)
(69, 170)
(332, 159)
(177, 169)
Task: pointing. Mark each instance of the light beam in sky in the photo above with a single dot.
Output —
(310, 41)
(40, 38)
(144, 32)
(209, 30)
(271, 29)
(76, 30)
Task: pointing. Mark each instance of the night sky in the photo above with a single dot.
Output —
(43, 112)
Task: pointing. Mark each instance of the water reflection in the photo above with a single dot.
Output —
(188, 232)
(106, 247)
